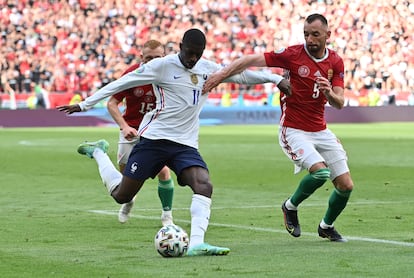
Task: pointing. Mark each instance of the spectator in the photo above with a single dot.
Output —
(8, 89)
(26, 80)
(375, 39)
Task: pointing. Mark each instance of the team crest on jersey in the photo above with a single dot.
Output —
(138, 92)
(149, 97)
(303, 71)
(280, 50)
(194, 79)
(205, 76)
(330, 74)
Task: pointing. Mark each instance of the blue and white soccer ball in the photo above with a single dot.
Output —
(171, 241)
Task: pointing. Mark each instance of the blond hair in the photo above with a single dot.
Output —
(152, 44)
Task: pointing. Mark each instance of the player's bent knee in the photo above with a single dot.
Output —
(122, 199)
(344, 182)
(164, 174)
(345, 187)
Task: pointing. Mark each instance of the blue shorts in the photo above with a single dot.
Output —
(148, 157)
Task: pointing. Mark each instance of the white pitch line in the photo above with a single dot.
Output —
(366, 239)
(35, 143)
(358, 203)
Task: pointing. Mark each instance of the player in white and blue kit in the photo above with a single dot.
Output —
(169, 133)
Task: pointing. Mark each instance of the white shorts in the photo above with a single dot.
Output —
(307, 148)
(125, 148)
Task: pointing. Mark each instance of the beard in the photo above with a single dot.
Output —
(314, 50)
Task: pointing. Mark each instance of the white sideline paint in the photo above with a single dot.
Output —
(375, 240)
(359, 203)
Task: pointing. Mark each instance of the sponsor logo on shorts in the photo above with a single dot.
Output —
(134, 168)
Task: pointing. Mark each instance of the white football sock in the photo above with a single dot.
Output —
(200, 216)
(290, 206)
(111, 177)
(324, 225)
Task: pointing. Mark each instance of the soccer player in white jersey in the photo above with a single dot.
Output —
(169, 133)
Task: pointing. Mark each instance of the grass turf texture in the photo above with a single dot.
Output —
(57, 219)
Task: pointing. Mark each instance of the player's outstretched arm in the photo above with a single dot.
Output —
(69, 109)
(235, 67)
(251, 77)
(132, 79)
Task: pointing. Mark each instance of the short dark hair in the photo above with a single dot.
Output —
(195, 37)
(311, 18)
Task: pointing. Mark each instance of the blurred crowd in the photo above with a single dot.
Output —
(79, 46)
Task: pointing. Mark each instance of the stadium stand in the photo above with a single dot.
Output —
(69, 49)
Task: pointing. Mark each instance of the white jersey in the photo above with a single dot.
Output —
(179, 97)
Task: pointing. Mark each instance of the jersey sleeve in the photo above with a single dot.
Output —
(278, 58)
(338, 73)
(251, 77)
(146, 74)
(211, 66)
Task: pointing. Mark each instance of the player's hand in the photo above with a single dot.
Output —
(212, 81)
(284, 87)
(324, 85)
(69, 109)
(129, 133)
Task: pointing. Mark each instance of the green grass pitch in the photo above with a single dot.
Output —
(57, 220)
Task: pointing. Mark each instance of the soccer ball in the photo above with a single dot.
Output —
(171, 241)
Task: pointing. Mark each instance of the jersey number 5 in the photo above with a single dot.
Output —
(315, 91)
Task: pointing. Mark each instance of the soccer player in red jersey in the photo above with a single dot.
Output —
(316, 74)
(138, 101)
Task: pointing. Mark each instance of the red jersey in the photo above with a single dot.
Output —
(305, 109)
(138, 101)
